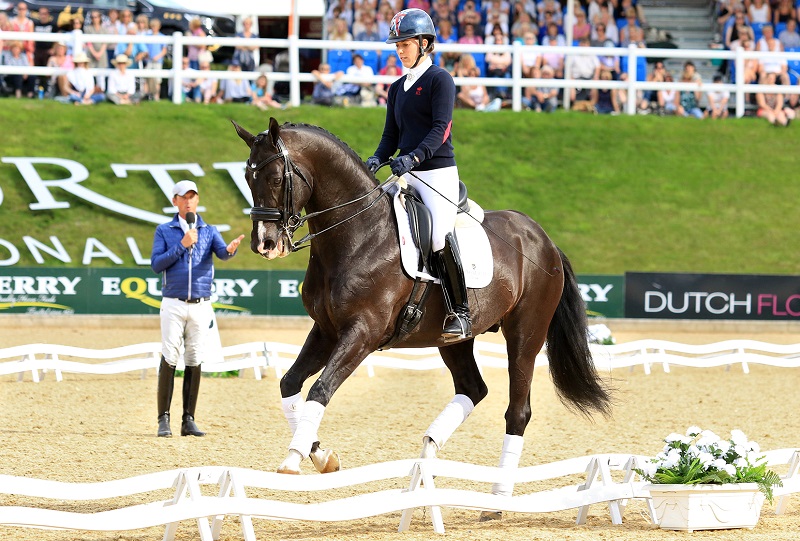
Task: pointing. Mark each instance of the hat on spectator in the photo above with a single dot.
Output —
(184, 186)
(121, 59)
(80, 58)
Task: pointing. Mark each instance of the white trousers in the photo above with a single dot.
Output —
(187, 325)
(443, 211)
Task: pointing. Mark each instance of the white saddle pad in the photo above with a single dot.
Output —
(476, 252)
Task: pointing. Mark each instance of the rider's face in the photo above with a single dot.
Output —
(407, 51)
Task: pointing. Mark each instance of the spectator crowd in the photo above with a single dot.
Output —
(78, 86)
(756, 25)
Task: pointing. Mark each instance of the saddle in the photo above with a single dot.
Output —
(421, 223)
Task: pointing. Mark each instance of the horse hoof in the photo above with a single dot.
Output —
(326, 461)
(486, 516)
(288, 471)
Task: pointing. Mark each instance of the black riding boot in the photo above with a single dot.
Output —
(191, 386)
(457, 325)
(166, 382)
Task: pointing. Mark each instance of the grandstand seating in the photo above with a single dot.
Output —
(372, 58)
(340, 59)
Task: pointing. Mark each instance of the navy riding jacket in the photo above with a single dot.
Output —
(179, 279)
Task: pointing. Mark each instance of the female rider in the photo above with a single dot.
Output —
(419, 116)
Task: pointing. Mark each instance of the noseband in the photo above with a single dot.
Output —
(287, 216)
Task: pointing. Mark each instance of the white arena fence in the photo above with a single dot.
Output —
(294, 76)
(263, 357)
(230, 494)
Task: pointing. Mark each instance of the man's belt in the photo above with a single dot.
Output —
(195, 301)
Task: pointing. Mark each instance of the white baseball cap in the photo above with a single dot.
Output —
(184, 186)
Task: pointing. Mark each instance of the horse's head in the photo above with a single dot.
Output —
(272, 178)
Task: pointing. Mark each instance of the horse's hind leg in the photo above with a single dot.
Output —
(524, 341)
(470, 389)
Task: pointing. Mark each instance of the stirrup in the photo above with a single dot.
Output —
(457, 327)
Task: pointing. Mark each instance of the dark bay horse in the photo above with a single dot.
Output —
(355, 289)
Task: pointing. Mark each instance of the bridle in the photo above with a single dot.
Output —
(287, 216)
(288, 219)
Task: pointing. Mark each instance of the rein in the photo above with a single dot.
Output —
(289, 220)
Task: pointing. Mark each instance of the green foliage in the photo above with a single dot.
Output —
(616, 193)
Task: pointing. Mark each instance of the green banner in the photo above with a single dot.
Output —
(604, 294)
(236, 292)
(138, 291)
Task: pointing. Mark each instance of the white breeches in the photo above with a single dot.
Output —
(443, 211)
(186, 325)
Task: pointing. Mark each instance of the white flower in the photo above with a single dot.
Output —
(673, 437)
(649, 469)
(707, 437)
(693, 451)
(738, 438)
(740, 450)
(724, 446)
(719, 463)
(740, 462)
(754, 447)
(706, 459)
(673, 458)
(730, 469)
(693, 431)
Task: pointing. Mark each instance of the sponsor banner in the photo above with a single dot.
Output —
(236, 292)
(604, 295)
(138, 291)
(712, 296)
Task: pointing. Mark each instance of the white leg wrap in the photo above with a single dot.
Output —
(306, 433)
(292, 409)
(509, 460)
(455, 413)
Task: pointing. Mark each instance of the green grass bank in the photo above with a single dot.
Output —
(616, 193)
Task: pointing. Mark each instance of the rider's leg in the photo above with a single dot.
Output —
(458, 323)
(438, 189)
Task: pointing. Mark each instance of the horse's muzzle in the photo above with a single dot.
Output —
(268, 241)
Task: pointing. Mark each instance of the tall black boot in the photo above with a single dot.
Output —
(166, 382)
(191, 387)
(458, 324)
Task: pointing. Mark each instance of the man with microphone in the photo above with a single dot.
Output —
(182, 254)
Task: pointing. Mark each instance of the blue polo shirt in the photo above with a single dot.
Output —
(419, 120)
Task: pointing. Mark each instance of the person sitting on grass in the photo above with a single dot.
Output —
(121, 83)
(79, 86)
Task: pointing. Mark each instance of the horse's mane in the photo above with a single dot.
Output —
(328, 135)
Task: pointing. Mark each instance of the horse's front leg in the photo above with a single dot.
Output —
(350, 350)
(312, 359)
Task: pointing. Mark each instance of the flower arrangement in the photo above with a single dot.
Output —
(702, 457)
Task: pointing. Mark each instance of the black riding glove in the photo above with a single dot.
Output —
(373, 164)
(403, 164)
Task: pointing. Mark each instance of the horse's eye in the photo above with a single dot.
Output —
(276, 180)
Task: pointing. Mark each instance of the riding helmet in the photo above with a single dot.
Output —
(411, 23)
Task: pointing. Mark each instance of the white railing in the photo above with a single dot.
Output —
(517, 83)
(189, 502)
(37, 359)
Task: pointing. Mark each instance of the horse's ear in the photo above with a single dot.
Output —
(274, 130)
(246, 136)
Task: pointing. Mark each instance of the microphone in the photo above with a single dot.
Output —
(190, 219)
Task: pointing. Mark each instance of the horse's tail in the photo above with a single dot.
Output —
(571, 366)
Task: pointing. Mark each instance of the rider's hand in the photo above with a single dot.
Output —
(403, 164)
(373, 164)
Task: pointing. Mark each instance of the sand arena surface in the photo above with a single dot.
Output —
(99, 428)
